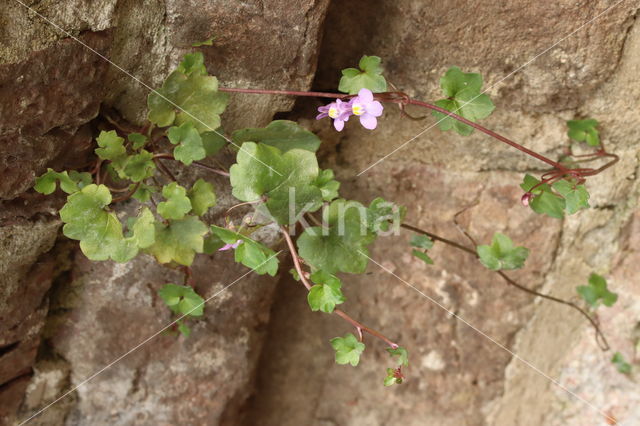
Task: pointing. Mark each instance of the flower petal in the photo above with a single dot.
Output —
(375, 108)
(368, 121)
(338, 124)
(321, 115)
(365, 95)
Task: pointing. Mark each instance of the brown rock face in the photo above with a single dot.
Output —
(456, 375)
(63, 318)
(51, 88)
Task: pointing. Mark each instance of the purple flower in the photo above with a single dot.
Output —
(339, 111)
(230, 246)
(366, 108)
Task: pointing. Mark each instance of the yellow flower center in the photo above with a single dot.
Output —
(357, 109)
(333, 112)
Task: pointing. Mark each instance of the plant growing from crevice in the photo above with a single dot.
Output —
(277, 173)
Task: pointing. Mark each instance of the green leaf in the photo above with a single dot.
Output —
(294, 274)
(140, 166)
(213, 141)
(576, 196)
(111, 146)
(391, 378)
(422, 256)
(179, 241)
(502, 254)
(177, 204)
(250, 253)
(464, 98)
(383, 214)
(46, 184)
(402, 354)
(202, 197)
(190, 147)
(99, 232)
(343, 246)
(597, 291)
(545, 201)
(348, 349)
(143, 229)
(184, 329)
(207, 42)
(621, 365)
(369, 76)
(584, 131)
(195, 97)
(143, 193)
(421, 241)
(137, 140)
(182, 300)
(192, 63)
(328, 186)
(325, 294)
(282, 134)
(284, 178)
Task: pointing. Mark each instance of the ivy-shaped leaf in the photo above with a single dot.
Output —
(402, 354)
(138, 140)
(575, 196)
(597, 291)
(139, 167)
(213, 141)
(192, 98)
(422, 242)
(202, 197)
(285, 179)
(282, 134)
(250, 253)
(99, 232)
(621, 364)
(343, 246)
(328, 186)
(502, 254)
(182, 300)
(544, 200)
(383, 214)
(326, 293)
(192, 63)
(179, 241)
(348, 349)
(177, 204)
(189, 143)
(369, 76)
(184, 329)
(584, 131)
(464, 97)
(69, 183)
(111, 146)
(392, 377)
(144, 191)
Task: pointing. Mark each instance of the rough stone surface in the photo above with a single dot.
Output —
(98, 311)
(51, 89)
(458, 376)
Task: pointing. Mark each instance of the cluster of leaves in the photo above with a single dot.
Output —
(277, 170)
(554, 200)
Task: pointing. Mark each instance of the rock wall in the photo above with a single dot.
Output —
(458, 376)
(52, 90)
(83, 315)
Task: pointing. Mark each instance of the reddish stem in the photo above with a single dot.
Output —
(305, 281)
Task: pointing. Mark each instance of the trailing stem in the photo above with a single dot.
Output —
(600, 338)
(402, 99)
(361, 328)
